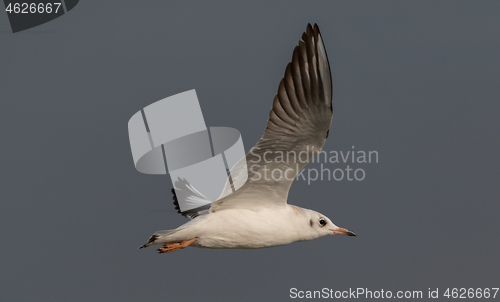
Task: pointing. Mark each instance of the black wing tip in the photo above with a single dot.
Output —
(313, 34)
(176, 202)
(316, 28)
(311, 30)
(193, 213)
(310, 38)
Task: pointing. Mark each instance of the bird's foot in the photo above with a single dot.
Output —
(175, 246)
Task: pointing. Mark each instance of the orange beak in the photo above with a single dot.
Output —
(343, 231)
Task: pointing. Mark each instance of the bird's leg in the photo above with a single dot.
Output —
(175, 246)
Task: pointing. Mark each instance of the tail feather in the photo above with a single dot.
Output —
(157, 237)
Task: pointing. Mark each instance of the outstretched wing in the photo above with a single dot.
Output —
(297, 128)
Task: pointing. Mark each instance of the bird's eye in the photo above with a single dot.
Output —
(322, 222)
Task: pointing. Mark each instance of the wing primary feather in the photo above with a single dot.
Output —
(290, 89)
(324, 69)
(304, 70)
(278, 108)
(297, 78)
(285, 102)
(312, 62)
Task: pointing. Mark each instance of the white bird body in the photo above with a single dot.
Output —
(257, 214)
(250, 229)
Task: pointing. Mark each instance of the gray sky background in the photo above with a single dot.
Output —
(416, 81)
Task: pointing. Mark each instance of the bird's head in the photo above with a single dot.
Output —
(320, 225)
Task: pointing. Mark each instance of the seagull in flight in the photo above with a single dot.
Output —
(257, 214)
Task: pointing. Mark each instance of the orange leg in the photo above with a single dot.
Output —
(175, 246)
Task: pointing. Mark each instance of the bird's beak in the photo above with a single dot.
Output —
(343, 231)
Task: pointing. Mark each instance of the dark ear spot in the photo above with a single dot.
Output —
(311, 223)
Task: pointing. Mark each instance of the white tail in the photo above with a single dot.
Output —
(159, 237)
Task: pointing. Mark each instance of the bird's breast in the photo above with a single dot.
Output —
(246, 229)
